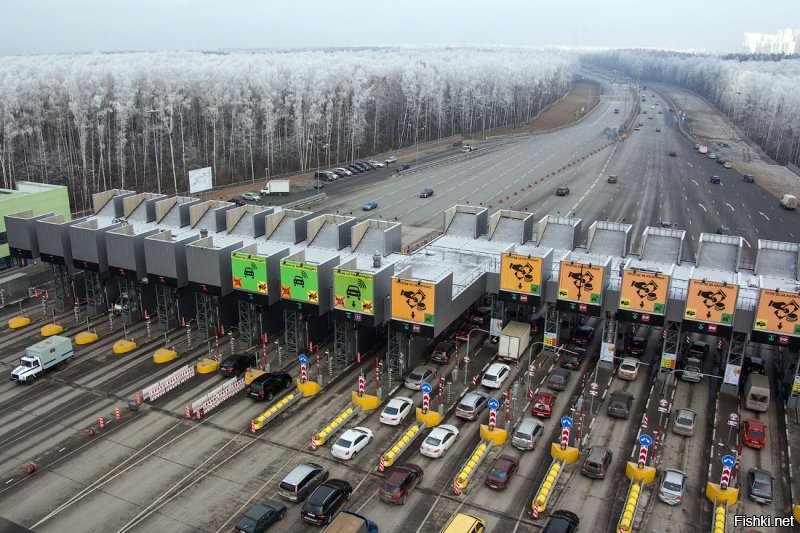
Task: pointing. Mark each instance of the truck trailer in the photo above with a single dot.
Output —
(514, 339)
(54, 351)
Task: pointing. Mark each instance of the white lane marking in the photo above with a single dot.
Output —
(747, 243)
(729, 205)
(704, 208)
(693, 181)
(763, 215)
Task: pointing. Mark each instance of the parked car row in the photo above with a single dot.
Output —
(357, 167)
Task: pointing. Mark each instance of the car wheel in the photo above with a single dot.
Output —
(270, 396)
(282, 514)
(403, 500)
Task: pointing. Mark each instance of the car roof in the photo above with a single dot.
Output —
(399, 400)
(630, 361)
(529, 422)
(621, 395)
(545, 396)
(673, 473)
(472, 396)
(505, 460)
(300, 471)
(497, 366)
(753, 423)
(352, 433)
(444, 428)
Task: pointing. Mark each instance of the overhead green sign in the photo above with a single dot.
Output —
(352, 291)
(249, 272)
(299, 281)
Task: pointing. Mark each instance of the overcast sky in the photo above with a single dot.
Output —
(53, 26)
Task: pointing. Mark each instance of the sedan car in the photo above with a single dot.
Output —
(391, 159)
(714, 179)
(396, 410)
(265, 386)
(238, 201)
(619, 405)
(628, 369)
(251, 196)
(583, 335)
(420, 375)
(471, 405)
(427, 192)
(672, 486)
(727, 164)
(375, 164)
(438, 441)
(754, 433)
(612, 178)
(543, 405)
(495, 375)
(403, 167)
(326, 501)
(400, 482)
(558, 379)
(562, 521)
(562, 191)
(369, 206)
(235, 365)
(344, 172)
(748, 178)
(351, 442)
(685, 422)
(759, 485)
(259, 517)
(501, 471)
(572, 358)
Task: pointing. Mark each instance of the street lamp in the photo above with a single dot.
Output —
(155, 154)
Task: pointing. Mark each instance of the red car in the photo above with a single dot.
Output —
(501, 472)
(401, 481)
(754, 433)
(543, 406)
(463, 333)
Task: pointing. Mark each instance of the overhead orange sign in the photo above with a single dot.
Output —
(778, 312)
(521, 273)
(645, 292)
(580, 282)
(711, 301)
(413, 301)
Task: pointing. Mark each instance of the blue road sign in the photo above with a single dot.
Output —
(426, 388)
(566, 421)
(645, 440)
(494, 404)
(728, 460)
(303, 359)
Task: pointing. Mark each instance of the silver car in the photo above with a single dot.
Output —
(471, 405)
(527, 433)
(420, 375)
(672, 487)
(685, 420)
(759, 485)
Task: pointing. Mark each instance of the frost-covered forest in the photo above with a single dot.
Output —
(761, 97)
(143, 120)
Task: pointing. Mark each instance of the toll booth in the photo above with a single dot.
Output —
(512, 227)
(53, 236)
(23, 242)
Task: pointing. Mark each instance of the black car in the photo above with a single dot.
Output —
(715, 179)
(562, 522)
(572, 358)
(619, 404)
(238, 201)
(753, 365)
(260, 516)
(265, 386)
(427, 192)
(403, 167)
(326, 501)
(354, 169)
(748, 178)
(562, 191)
(363, 166)
(636, 346)
(583, 335)
(235, 365)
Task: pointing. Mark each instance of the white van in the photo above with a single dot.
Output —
(788, 201)
(756, 393)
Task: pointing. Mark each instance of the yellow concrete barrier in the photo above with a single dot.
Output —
(277, 406)
(123, 346)
(207, 366)
(629, 509)
(19, 322)
(719, 519)
(86, 337)
(164, 355)
(480, 452)
(400, 445)
(569, 454)
(644, 475)
(309, 388)
(48, 330)
(367, 402)
(251, 374)
(715, 494)
(550, 478)
(496, 435)
(330, 429)
(796, 513)
(430, 419)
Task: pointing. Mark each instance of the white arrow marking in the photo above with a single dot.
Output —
(690, 165)
(704, 207)
(747, 243)
(695, 182)
(763, 215)
(729, 205)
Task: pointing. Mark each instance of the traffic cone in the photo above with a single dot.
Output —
(138, 398)
(197, 414)
(188, 413)
(102, 425)
(116, 413)
(252, 426)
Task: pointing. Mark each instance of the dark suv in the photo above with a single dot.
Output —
(562, 522)
(636, 346)
(562, 191)
(265, 386)
(326, 501)
(260, 516)
(443, 351)
(235, 365)
(583, 335)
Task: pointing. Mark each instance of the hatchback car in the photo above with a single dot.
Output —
(326, 501)
(259, 517)
(251, 196)
(265, 386)
(619, 405)
(543, 405)
(753, 365)
(596, 462)
(612, 178)
(500, 472)
(672, 486)
(471, 405)
(396, 411)
(748, 178)
(400, 482)
(583, 335)
(527, 433)
(369, 206)
(427, 192)
(235, 365)
(754, 433)
(351, 442)
(636, 346)
(558, 378)
(628, 369)
(301, 481)
(562, 191)
(562, 521)
(572, 358)
(420, 375)
(495, 375)
(443, 352)
(759, 485)
(685, 422)
(714, 179)
(403, 167)
(439, 441)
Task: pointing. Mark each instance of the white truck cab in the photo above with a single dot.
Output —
(51, 352)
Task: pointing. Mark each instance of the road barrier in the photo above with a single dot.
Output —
(277, 408)
(163, 386)
(625, 523)
(547, 487)
(471, 466)
(720, 518)
(338, 422)
(218, 395)
(401, 445)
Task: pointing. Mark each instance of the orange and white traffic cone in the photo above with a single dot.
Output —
(197, 414)
(252, 426)
(102, 425)
(188, 413)
(138, 398)
(116, 413)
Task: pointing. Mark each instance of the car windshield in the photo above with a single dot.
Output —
(390, 489)
(415, 376)
(672, 486)
(246, 524)
(755, 434)
(490, 377)
(432, 441)
(524, 436)
(542, 406)
(497, 473)
(761, 483)
(344, 443)
(465, 407)
(390, 410)
(685, 419)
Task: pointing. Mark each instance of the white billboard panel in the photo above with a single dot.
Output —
(200, 180)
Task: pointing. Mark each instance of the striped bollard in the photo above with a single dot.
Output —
(426, 402)
(116, 413)
(456, 487)
(535, 510)
(102, 425)
(642, 456)
(564, 437)
(197, 413)
(361, 385)
(382, 464)
(725, 478)
(138, 398)
(188, 412)
(492, 419)
(313, 442)
(303, 374)
(252, 425)
(474, 380)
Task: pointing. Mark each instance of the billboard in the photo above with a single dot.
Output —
(249, 272)
(644, 292)
(520, 273)
(778, 312)
(299, 281)
(711, 301)
(578, 282)
(353, 291)
(200, 180)
(413, 301)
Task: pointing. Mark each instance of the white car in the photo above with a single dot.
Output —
(438, 441)
(251, 196)
(391, 159)
(628, 369)
(495, 375)
(351, 442)
(375, 164)
(396, 411)
(672, 486)
(344, 171)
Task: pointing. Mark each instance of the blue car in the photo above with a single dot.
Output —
(369, 206)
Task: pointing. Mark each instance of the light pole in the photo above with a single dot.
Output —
(155, 155)
(466, 355)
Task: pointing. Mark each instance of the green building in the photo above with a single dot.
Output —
(41, 198)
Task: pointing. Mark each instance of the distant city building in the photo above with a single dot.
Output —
(783, 42)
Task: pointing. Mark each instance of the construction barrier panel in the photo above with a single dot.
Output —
(277, 408)
(625, 523)
(471, 466)
(402, 444)
(163, 386)
(219, 394)
(336, 424)
(546, 489)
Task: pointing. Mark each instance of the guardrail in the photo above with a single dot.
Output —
(401, 445)
(218, 395)
(163, 386)
(625, 523)
(471, 466)
(344, 416)
(719, 519)
(277, 408)
(546, 489)
(307, 200)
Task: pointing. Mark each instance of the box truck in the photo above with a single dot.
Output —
(514, 339)
(276, 187)
(756, 393)
(51, 352)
